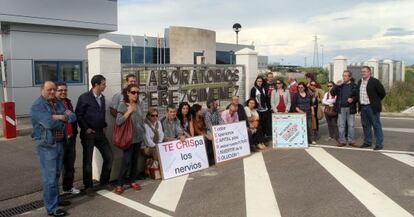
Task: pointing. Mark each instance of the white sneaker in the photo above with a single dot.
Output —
(313, 142)
(73, 190)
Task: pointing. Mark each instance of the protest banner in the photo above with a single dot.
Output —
(179, 158)
(230, 141)
(289, 131)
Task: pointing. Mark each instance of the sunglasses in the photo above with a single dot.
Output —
(278, 83)
(62, 90)
(134, 92)
(329, 85)
(154, 115)
(312, 84)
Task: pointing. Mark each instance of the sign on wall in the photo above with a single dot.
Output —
(230, 141)
(161, 85)
(289, 131)
(179, 158)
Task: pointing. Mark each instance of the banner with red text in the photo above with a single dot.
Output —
(179, 158)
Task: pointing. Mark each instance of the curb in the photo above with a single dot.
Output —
(20, 132)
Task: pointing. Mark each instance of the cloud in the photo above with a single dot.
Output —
(282, 29)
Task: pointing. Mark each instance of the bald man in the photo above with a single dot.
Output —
(48, 115)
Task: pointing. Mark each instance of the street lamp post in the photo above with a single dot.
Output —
(231, 57)
(237, 27)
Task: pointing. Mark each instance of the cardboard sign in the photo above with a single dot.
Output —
(179, 158)
(230, 141)
(289, 131)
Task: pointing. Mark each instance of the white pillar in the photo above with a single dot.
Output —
(374, 64)
(390, 72)
(104, 58)
(248, 58)
(340, 65)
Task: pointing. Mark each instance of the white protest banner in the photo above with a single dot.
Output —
(230, 141)
(178, 158)
(289, 131)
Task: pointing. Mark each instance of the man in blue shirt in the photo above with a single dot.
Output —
(48, 117)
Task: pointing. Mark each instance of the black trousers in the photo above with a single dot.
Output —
(69, 157)
(98, 140)
(129, 163)
(266, 122)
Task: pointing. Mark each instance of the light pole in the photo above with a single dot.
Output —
(231, 57)
(237, 27)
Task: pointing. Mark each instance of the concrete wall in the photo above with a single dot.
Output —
(184, 41)
(28, 43)
(88, 14)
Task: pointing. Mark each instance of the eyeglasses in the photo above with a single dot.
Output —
(278, 83)
(154, 115)
(134, 92)
(329, 85)
(312, 84)
(62, 90)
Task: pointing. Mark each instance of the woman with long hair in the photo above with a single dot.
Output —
(258, 93)
(302, 103)
(331, 115)
(131, 108)
(254, 127)
(184, 115)
(280, 98)
(198, 126)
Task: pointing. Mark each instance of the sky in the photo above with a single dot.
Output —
(285, 30)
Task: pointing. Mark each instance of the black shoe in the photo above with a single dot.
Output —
(105, 187)
(377, 147)
(90, 192)
(365, 145)
(58, 212)
(64, 203)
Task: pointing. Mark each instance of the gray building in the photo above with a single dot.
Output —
(46, 40)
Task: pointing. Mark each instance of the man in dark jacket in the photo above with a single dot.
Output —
(90, 111)
(371, 92)
(69, 146)
(347, 97)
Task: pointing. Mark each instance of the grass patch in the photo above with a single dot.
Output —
(401, 96)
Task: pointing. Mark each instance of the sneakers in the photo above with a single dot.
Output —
(73, 191)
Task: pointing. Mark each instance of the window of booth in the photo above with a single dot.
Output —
(58, 71)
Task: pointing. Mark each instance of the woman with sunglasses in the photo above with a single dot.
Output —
(302, 103)
(132, 108)
(331, 115)
(280, 99)
(153, 133)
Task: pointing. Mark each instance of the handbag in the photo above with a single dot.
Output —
(330, 111)
(122, 134)
(152, 168)
(319, 113)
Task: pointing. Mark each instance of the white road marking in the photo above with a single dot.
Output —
(363, 149)
(376, 202)
(132, 204)
(404, 158)
(169, 192)
(399, 130)
(260, 198)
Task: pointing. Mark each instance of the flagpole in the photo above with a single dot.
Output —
(144, 45)
(165, 44)
(130, 39)
(157, 49)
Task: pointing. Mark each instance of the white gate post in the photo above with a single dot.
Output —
(248, 58)
(104, 58)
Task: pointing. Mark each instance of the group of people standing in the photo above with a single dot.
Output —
(55, 124)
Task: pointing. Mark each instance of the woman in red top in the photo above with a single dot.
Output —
(280, 99)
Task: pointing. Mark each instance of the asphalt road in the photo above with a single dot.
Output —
(319, 181)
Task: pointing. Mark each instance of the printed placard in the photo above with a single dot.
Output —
(289, 131)
(179, 158)
(230, 141)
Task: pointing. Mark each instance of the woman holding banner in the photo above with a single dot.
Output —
(280, 98)
(258, 93)
(254, 127)
(131, 108)
(302, 103)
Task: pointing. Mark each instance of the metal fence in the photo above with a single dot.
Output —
(161, 85)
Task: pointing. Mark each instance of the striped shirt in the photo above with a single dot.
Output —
(363, 96)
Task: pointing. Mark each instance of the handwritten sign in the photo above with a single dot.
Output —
(179, 158)
(289, 131)
(230, 141)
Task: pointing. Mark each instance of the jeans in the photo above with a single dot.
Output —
(69, 157)
(129, 163)
(369, 120)
(50, 159)
(99, 140)
(345, 118)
